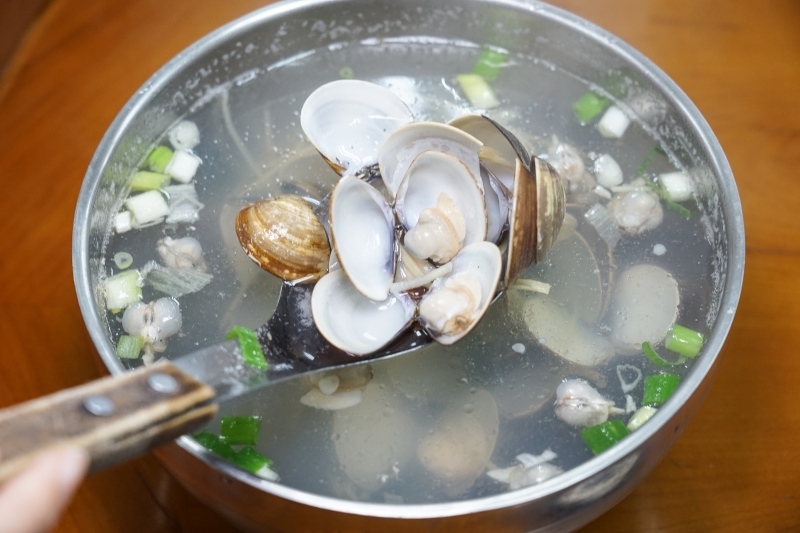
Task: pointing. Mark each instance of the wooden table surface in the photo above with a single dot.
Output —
(735, 468)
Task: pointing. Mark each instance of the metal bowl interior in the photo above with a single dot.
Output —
(258, 45)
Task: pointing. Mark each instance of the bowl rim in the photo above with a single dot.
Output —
(731, 292)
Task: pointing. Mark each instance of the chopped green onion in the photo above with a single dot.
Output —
(642, 415)
(646, 163)
(240, 429)
(148, 181)
(147, 208)
(246, 458)
(603, 436)
(489, 64)
(123, 260)
(684, 341)
(129, 347)
(657, 359)
(158, 159)
(248, 343)
(346, 73)
(211, 442)
(677, 186)
(122, 289)
(658, 388)
(250, 460)
(478, 92)
(589, 106)
(685, 213)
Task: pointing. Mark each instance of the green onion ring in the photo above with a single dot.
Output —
(123, 260)
(657, 359)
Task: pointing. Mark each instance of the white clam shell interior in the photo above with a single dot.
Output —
(354, 323)
(348, 120)
(402, 147)
(483, 260)
(362, 230)
(433, 173)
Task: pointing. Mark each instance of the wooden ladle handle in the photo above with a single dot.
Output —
(114, 418)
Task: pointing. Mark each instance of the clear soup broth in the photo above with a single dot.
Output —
(503, 368)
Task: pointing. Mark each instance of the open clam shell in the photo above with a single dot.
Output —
(403, 146)
(476, 274)
(362, 231)
(354, 323)
(348, 120)
(284, 237)
(433, 173)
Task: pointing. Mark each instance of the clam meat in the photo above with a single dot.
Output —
(441, 193)
(456, 302)
(439, 233)
(636, 210)
(579, 404)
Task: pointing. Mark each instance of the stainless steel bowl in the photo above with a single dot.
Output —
(551, 35)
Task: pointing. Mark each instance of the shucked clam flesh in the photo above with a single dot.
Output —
(434, 207)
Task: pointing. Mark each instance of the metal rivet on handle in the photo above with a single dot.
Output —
(162, 383)
(99, 405)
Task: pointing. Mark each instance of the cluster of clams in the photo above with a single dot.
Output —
(414, 223)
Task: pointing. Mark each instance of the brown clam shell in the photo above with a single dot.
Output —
(284, 237)
(538, 202)
(537, 212)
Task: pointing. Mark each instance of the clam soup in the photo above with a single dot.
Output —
(478, 417)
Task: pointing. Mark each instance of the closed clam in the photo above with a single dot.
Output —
(284, 237)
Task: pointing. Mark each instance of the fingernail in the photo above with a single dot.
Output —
(72, 466)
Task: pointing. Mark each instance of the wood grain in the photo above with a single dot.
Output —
(16, 16)
(138, 419)
(735, 468)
